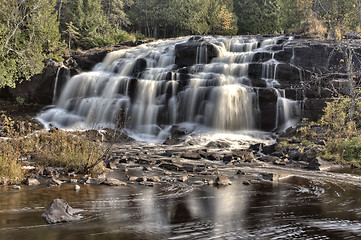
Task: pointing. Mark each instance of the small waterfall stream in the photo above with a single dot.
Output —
(146, 86)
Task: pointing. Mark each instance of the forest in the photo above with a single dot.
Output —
(32, 31)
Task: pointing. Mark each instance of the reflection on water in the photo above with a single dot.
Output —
(293, 209)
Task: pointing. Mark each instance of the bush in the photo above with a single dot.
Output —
(64, 149)
(344, 150)
(10, 168)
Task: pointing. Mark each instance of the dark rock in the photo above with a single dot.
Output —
(186, 53)
(140, 66)
(309, 155)
(294, 154)
(227, 158)
(218, 144)
(240, 172)
(59, 211)
(314, 164)
(222, 181)
(269, 149)
(172, 141)
(243, 155)
(211, 156)
(153, 179)
(246, 183)
(256, 147)
(171, 166)
(191, 155)
(268, 159)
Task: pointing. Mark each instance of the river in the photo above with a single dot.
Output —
(310, 207)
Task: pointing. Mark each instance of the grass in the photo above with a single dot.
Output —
(72, 151)
(10, 167)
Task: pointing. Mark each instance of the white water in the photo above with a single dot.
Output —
(218, 95)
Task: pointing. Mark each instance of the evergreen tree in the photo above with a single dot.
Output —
(28, 35)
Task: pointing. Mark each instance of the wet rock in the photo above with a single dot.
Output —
(211, 156)
(141, 179)
(218, 144)
(222, 181)
(246, 183)
(269, 149)
(32, 182)
(198, 182)
(309, 154)
(145, 183)
(191, 155)
(171, 166)
(113, 164)
(243, 155)
(227, 158)
(280, 162)
(16, 187)
(153, 179)
(172, 141)
(294, 154)
(188, 168)
(76, 187)
(147, 169)
(183, 178)
(94, 181)
(132, 178)
(114, 182)
(56, 181)
(256, 147)
(314, 164)
(240, 172)
(59, 211)
(73, 180)
(186, 53)
(268, 159)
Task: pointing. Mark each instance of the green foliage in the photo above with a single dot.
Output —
(28, 35)
(337, 117)
(344, 150)
(94, 23)
(257, 16)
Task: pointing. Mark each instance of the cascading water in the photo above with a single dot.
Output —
(145, 85)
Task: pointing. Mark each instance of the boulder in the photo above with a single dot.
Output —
(222, 181)
(59, 211)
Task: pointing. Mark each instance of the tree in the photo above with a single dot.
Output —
(29, 35)
(257, 16)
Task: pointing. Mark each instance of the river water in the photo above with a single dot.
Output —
(293, 208)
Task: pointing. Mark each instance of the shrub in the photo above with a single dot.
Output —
(64, 149)
(10, 168)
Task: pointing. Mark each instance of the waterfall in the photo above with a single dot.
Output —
(145, 85)
(56, 87)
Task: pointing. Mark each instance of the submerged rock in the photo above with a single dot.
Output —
(60, 211)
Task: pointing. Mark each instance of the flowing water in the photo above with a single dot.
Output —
(314, 207)
(144, 89)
